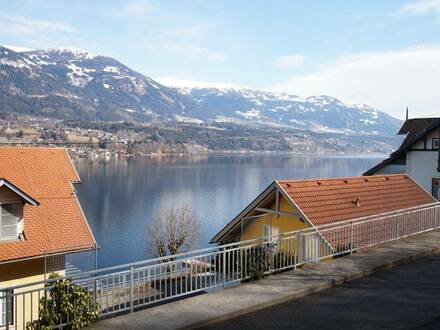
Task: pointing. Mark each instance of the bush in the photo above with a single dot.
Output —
(65, 303)
(258, 263)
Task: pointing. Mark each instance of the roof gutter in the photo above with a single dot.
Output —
(84, 249)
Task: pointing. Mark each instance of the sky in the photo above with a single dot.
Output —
(382, 53)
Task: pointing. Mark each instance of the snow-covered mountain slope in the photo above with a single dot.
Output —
(71, 83)
(316, 113)
(75, 84)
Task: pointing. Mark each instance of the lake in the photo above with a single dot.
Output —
(119, 197)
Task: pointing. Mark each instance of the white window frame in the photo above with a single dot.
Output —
(266, 236)
(4, 309)
(18, 225)
(270, 229)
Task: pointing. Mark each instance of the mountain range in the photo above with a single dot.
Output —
(68, 83)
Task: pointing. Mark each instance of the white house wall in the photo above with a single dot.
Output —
(429, 138)
(391, 169)
(422, 167)
(420, 144)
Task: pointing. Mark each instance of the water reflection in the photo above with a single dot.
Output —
(120, 197)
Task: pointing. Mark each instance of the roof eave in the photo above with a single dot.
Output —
(19, 192)
(231, 225)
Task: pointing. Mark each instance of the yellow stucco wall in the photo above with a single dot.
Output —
(18, 273)
(254, 227)
(308, 246)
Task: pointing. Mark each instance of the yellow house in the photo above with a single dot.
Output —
(40, 216)
(289, 205)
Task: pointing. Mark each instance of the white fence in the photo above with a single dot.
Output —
(128, 287)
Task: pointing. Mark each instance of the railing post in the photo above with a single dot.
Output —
(95, 281)
(436, 214)
(45, 265)
(7, 310)
(95, 274)
(131, 288)
(95, 289)
(351, 238)
(295, 250)
(270, 247)
(224, 267)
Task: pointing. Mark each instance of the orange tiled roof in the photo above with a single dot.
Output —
(57, 224)
(326, 201)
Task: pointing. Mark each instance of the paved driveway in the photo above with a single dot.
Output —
(406, 297)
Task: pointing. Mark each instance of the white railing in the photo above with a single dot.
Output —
(128, 287)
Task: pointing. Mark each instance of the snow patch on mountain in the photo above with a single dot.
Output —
(18, 49)
(78, 53)
(252, 113)
(190, 120)
(79, 75)
(111, 69)
(19, 63)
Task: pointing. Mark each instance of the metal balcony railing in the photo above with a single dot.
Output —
(128, 287)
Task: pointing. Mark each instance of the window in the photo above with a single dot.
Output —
(10, 215)
(436, 188)
(4, 309)
(435, 143)
(268, 235)
(266, 232)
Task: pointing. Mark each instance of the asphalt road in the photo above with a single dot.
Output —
(406, 297)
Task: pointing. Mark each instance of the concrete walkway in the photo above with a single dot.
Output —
(208, 308)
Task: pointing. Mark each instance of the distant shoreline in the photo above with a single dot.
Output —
(230, 153)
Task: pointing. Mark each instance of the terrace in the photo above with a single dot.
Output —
(131, 287)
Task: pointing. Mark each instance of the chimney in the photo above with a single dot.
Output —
(357, 201)
(406, 113)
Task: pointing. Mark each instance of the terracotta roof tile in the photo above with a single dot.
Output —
(57, 224)
(326, 201)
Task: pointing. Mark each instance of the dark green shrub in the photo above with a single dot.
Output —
(65, 303)
(258, 263)
(343, 250)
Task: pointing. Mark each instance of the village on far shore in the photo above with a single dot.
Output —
(109, 140)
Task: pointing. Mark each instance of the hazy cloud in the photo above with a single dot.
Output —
(421, 7)
(191, 31)
(194, 50)
(135, 9)
(20, 25)
(290, 61)
(180, 82)
(388, 80)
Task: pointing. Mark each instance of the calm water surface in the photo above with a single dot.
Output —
(121, 196)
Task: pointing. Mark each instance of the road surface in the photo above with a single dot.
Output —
(406, 297)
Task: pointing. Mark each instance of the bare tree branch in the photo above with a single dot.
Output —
(173, 231)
